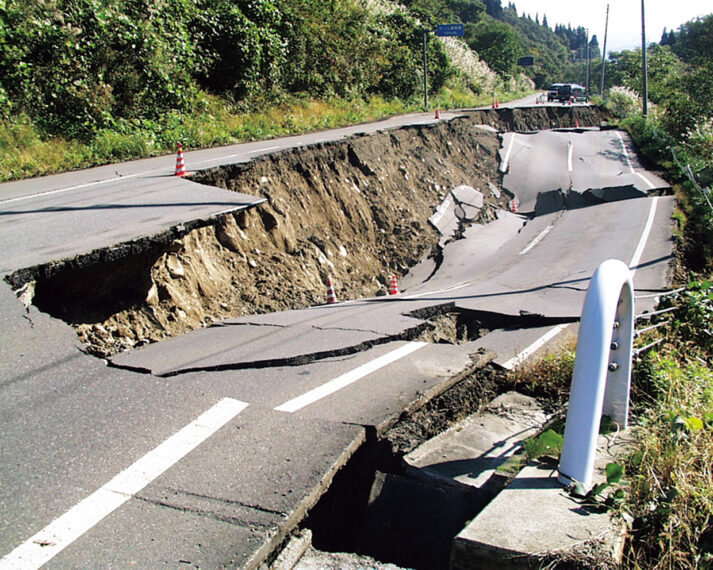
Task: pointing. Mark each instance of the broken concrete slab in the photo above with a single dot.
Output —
(468, 196)
(462, 204)
(415, 381)
(469, 452)
(556, 200)
(549, 202)
(613, 193)
(231, 503)
(413, 515)
(535, 521)
(461, 259)
(130, 210)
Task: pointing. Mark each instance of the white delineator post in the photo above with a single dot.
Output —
(602, 368)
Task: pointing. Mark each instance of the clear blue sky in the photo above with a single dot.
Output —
(624, 17)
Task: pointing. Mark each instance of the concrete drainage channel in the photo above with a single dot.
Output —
(401, 500)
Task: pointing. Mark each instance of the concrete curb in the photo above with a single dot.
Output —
(534, 522)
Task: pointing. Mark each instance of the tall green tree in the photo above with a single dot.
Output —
(496, 43)
(694, 41)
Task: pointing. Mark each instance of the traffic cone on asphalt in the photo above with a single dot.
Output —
(331, 296)
(438, 114)
(393, 286)
(180, 165)
(576, 123)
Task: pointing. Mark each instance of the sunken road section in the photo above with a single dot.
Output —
(355, 210)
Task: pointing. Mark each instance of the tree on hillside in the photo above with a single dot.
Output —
(594, 52)
(694, 41)
(467, 10)
(496, 43)
(494, 9)
(79, 66)
(664, 38)
(240, 45)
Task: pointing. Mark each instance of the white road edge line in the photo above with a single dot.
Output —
(438, 291)
(60, 533)
(348, 378)
(506, 160)
(267, 148)
(128, 176)
(534, 347)
(644, 236)
(628, 162)
(537, 240)
(648, 182)
(626, 153)
(549, 335)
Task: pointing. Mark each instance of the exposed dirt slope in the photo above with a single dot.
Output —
(355, 211)
(539, 118)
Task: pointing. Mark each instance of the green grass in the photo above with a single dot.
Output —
(670, 476)
(548, 377)
(25, 152)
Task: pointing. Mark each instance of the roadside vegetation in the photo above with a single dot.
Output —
(667, 488)
(89, 82)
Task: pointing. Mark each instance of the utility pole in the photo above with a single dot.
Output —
(604, 53)
(643, 62)
(425, 72)
(587, 78)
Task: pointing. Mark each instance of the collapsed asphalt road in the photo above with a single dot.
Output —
(207, 449)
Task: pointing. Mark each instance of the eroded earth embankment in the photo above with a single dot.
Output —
(355, 210)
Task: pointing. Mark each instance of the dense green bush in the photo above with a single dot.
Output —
(75, 66)
(80, 67)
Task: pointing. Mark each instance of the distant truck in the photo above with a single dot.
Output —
(568, 92)
(553, 91)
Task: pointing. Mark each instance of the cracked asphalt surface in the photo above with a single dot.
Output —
(70, 423)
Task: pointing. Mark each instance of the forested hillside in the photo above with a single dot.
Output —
(82, 65)
(501, 34)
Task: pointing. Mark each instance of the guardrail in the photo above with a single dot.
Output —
(601, 380)
(602, 368)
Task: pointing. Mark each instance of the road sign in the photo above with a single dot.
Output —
(527, 60)
(450, 30)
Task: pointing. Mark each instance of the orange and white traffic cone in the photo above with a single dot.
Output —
(180, 165)
(576, 123)
(438, 114)
(331, 296)
(393, 286)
